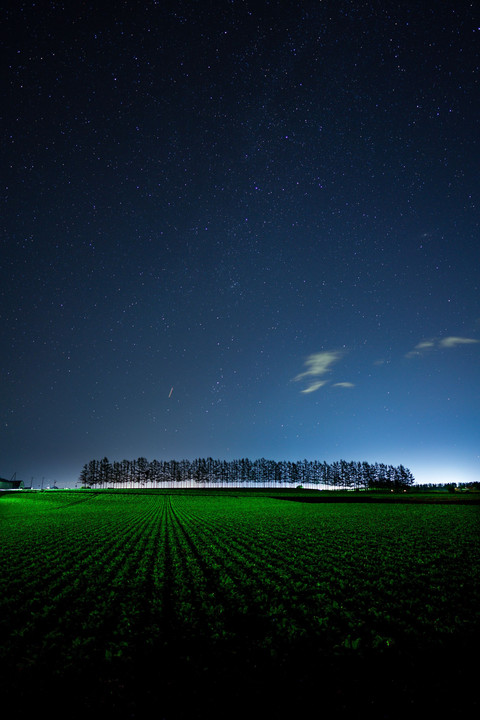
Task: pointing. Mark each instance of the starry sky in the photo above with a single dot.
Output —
(240, 229)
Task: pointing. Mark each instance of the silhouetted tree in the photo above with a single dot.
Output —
(262, 472)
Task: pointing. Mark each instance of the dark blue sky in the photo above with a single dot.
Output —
(270, 207)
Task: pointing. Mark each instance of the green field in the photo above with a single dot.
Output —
(175, 604)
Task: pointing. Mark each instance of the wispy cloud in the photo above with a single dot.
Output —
(453, 341)
(314, 386)
(420, 348)
(448, 342)
(319, 364)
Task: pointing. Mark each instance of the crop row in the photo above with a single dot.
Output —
(118, 586)
(390, 587)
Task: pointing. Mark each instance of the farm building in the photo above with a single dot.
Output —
(11, 484)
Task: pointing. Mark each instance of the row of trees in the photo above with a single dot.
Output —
(244, 472)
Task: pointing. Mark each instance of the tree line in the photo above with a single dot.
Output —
(244, 472)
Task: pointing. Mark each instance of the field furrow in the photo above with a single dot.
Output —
(177, 598)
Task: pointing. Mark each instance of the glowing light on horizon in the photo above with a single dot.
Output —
(442, 474)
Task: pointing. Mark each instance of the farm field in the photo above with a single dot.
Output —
(176, 604)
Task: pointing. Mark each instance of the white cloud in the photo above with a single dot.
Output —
(344, 384)
(314, 386)
(452, 341)
(420, 348)
(448, 342)
(319, 364)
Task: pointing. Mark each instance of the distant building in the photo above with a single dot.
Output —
(10, 484)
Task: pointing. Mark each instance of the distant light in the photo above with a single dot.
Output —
(443, 474)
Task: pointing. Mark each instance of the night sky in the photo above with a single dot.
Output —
(240, 229)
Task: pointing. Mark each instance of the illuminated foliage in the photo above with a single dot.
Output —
(120, 595)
